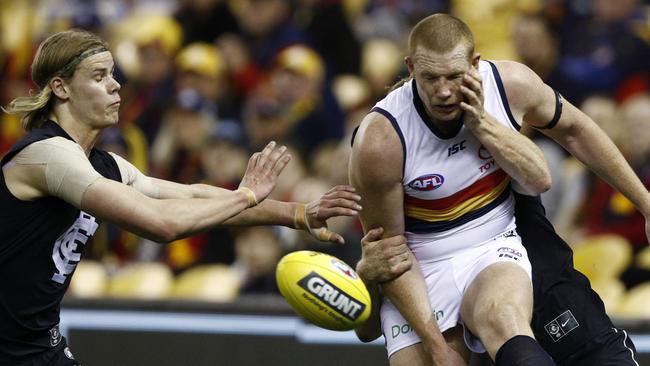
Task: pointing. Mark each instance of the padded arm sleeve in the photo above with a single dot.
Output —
(68, 172)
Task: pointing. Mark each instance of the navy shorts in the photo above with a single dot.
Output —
(613, 348)
(57, 356)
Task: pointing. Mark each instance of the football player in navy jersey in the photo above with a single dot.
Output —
(55, 187)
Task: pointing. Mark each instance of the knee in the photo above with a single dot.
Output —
(500, 319)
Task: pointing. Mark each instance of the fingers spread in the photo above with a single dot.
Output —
(281, 164)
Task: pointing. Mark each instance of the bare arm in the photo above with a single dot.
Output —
(576, 132)
(310, 217)
(381, 261)
(161, 220)
(34, 173)
(515, 153)
(376, 172)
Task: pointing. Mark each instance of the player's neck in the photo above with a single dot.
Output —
(447, 127)
(83, 134)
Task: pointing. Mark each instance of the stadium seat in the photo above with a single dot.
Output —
(602, 256)
(214, 282)
(636, 303)
(90, 280)
(142, 281)
(611, 291)
(643, 258)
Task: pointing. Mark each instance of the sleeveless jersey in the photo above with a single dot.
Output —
(41, 242)
(456, 195)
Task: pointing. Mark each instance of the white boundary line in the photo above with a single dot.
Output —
(264, 325)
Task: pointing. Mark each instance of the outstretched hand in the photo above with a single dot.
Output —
(338, 201)
(263, 170)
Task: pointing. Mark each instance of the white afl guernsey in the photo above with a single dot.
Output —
(458, 206)
(456, 195)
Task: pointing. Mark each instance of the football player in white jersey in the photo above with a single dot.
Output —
(495, 303)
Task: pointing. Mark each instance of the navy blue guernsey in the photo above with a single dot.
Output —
(41, 242)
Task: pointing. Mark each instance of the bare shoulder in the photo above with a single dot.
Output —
(377, 155)
(377, 138)
(524, 88)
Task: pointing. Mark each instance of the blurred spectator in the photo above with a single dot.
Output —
(604, 111)
(329, 29)
(295, 104)
(391, 19)
(146, 47)
(381, 65)
(298, 78)
(264, 119)
(266, 27)
(491, 23)
(176, 152)
(575, 180)
(543, 58)
(205, 20)
(202, 79)
(601, 50)
(607, 211)
(258, 252)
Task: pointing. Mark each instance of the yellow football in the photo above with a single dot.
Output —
(323, 289)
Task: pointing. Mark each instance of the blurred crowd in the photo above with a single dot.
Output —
(207, 82)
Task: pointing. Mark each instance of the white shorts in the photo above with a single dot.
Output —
(447, 280)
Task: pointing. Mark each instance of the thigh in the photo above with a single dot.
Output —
(499, 277)
(415, 355)
(445, 302)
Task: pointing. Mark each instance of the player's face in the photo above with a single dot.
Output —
(93, 92)
(439, 77)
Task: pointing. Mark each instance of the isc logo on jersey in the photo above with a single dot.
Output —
(427, 182)
(323, 290)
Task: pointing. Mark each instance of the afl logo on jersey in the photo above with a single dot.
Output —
(483, 153)
(427, 182)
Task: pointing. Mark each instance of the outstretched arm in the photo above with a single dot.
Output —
(310, 217)
(575, 131)
(376, 172)
(58, 167)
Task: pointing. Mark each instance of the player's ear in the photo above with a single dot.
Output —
(59, 88)
(408, 61)
(475, 59)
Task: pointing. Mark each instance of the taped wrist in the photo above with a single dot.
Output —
(252, 200)
(301, 222)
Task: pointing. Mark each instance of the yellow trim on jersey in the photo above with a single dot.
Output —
(461, 209)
